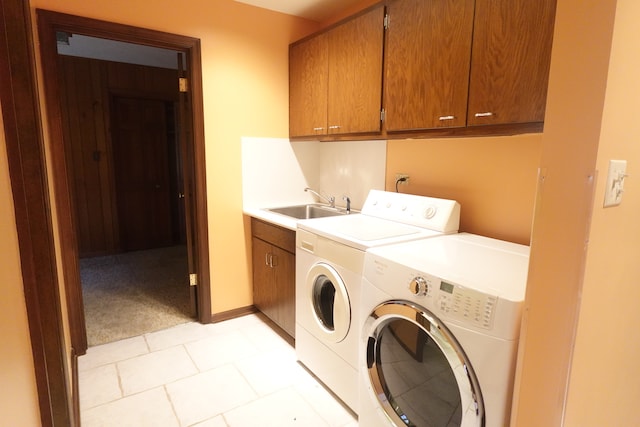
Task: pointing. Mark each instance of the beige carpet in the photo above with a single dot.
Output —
(133, 293)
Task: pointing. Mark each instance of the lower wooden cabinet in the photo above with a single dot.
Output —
(274, 262)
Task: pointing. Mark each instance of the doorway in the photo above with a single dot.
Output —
(149, 218)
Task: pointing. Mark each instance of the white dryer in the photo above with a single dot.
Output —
(440, 327)
(329, 260)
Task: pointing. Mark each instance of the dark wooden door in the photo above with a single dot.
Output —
(428, 54)
(141, 150)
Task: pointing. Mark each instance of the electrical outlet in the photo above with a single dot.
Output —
(402, 176)
(615, 182)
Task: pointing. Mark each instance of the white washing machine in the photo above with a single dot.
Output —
(329, 260)
(440, 326)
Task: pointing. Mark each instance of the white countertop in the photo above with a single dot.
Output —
(272, 217)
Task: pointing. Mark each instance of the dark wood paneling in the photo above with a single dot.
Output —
(82, 95)
(141, 162)
(85, 88)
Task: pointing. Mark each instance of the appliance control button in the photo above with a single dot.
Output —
(418, 286)
(430, 212)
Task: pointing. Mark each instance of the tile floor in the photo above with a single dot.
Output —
(235, 373)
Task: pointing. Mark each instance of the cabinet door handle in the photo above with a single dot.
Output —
(267, 262)
(334, 127)
(487, 114)
(318, 129)
(273, 261)
(443, 118)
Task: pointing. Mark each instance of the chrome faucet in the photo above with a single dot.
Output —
(331, 200)
(348, 200)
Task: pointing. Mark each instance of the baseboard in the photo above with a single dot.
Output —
(232, 314)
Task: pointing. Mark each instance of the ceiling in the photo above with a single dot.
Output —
(315, 10)
(92, 47)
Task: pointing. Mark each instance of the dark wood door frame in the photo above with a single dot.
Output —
(34, 225)
(48, 24)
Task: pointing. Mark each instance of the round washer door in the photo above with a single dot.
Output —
(329, 301)
(418, 371)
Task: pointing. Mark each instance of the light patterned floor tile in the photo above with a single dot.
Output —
(265, 338)
(112, 352)
(98, 386)
(326, 404)
(148, 409)
(154, 369)
(235, 324)
(281, 409)
(180, 334)
(272, 371)
(218, 350)
(208, 394)
(236, 373)
(213, 422)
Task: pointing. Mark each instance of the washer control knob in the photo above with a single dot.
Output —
(419, 286)
(430, 212)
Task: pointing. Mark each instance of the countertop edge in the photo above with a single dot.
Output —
(273, 218)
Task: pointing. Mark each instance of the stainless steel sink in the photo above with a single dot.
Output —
(308, 211)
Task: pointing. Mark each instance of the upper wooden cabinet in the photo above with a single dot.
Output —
(428, 53)
(308, 72)
(336, 79)
(510, 61)
(450, 68)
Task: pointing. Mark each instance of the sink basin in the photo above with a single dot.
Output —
(308, 211)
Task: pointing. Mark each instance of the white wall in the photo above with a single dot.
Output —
(276, 171)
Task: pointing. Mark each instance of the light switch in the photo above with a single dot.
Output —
(615, 182)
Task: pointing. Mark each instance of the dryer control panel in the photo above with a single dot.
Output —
(456, 302)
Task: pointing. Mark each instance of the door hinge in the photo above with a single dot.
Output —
(193, 279)
(382, 115)
(183, 84)
(386, 21)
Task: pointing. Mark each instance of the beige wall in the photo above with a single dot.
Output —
(493, 179)
(560, 241)
(18, 397)
(604, 387)
(245, 82)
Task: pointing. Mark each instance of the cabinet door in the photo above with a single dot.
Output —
(355, 74)
(308, 68)
(284, 270)
(428, 52)
(264, 295)
(510, 62)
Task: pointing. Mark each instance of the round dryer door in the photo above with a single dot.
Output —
(329, 301)
(418, 370)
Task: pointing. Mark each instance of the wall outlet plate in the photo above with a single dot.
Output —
(400, 176)
(615, 183)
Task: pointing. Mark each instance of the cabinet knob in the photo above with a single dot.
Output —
(487, 114)
(443, 118)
